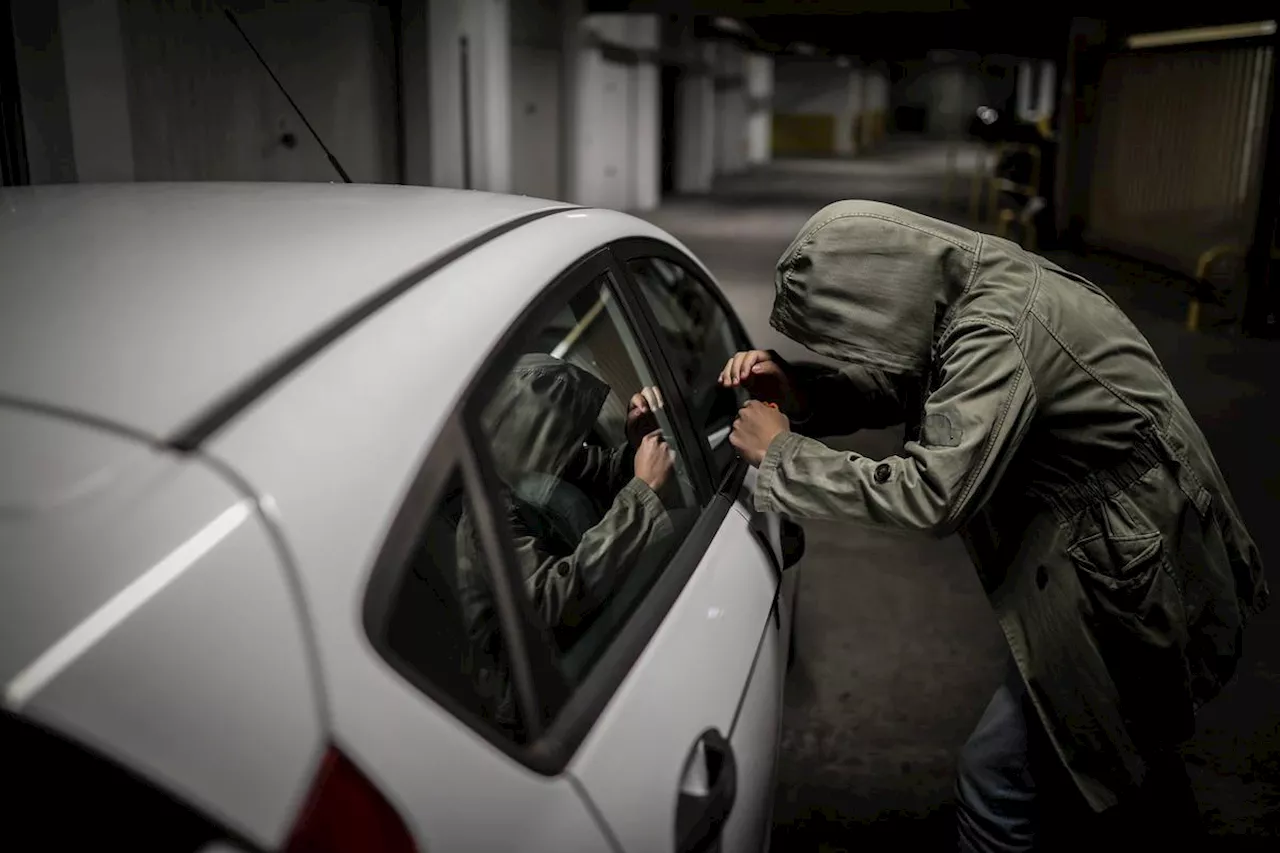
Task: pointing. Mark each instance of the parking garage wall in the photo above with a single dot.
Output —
(137, 90)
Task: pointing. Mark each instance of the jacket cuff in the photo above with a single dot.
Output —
(780, 451)
(639, 491)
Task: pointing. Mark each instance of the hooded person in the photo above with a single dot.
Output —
(1042, 428)
(581, 516)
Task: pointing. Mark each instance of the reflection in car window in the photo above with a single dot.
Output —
(698, 339)
(465, 658)
(594, 488)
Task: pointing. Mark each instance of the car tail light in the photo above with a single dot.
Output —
(345, 813)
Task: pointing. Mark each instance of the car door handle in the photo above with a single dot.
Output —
(708, 789)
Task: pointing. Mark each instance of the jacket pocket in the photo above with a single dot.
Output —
(1138, 619)
(1120, 568)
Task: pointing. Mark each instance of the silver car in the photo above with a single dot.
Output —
(243, 429)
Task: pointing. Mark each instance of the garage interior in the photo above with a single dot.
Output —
(729, 124)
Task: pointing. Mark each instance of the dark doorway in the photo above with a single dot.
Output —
(670, 88)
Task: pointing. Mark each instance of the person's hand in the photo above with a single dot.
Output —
(763, 378)
(654, 460)
(642, 416)
(755, 429)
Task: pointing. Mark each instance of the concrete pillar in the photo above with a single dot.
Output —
(696, 126)
(572, 65)
(615, 150)
(760, 109)
(470, 84)
(846, 141)
(876, 104)
(731, 108)
(491, 59)
(644, 32)
(97, 90)
(1035, 91)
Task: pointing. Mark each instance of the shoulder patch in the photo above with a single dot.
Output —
(939, 432)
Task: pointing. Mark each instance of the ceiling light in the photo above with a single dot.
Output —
(728, 25)
(1203, 34)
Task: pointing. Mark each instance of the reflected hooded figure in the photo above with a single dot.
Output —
(582, 517)
(1042, 428)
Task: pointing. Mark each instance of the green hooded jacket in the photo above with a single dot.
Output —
(580, 520)
(1043, 429)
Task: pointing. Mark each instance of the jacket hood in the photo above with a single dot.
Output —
(870, 283)
(540, 415)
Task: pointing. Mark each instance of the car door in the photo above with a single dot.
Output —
(699, 331)
(641, 689)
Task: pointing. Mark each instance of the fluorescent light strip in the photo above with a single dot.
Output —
(1203, 34)
(562, 349)
(123, 604)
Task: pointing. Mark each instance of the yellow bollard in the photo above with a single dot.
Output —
(1003, 221)
(1193, 316)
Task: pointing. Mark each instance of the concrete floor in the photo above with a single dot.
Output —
(898, 650)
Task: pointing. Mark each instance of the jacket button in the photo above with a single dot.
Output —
(1042, 577)
(882, 472)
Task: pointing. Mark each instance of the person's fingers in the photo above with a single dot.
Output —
(736, 373)
(657, 396)
(731, 369)
(637, 401)
(727, 371)
(651, 398)
(748, 364)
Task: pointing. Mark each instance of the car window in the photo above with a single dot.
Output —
(442, 627)
(591, 481)
(698, 339)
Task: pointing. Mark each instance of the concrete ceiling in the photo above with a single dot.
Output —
(905, 29)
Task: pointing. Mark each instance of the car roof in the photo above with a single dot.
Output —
(142, 305)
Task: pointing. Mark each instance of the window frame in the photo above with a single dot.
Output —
(639, 248)
(462, 446)
(450, 453)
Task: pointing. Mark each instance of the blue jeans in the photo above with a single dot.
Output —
(995, 784)
(1014, 795)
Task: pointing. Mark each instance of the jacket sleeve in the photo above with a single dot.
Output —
(566, 589)
(973, 423)
(843, 401)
